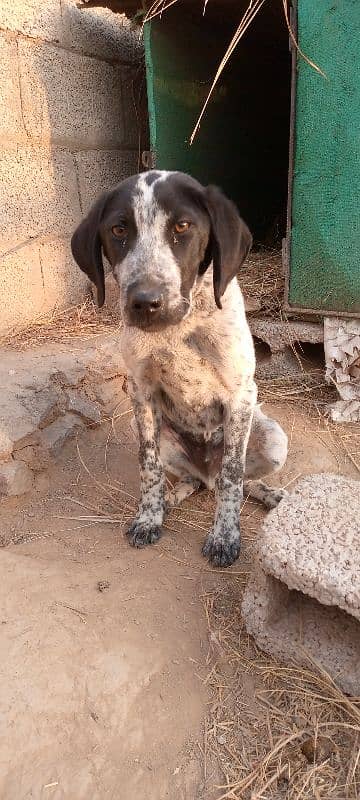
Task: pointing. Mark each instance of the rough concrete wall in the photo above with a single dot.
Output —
(68, 130)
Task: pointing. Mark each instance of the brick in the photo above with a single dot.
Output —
(69, 98)
(99, 32)
(36, 279)
(39, 194)
(10, 101)
(32, 18)
(100, 171)
(15, 479)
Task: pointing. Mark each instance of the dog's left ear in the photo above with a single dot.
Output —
(230, 240)
(86, 246)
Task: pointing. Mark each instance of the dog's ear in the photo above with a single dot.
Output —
(86, 246)
(229, 243)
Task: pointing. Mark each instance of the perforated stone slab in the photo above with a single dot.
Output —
(303, 598)
(311, 541)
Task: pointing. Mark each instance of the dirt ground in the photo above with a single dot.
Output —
(109, 654)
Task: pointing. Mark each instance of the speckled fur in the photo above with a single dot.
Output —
(206, 367)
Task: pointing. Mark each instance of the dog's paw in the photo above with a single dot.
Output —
(221, 552)
(140, 535)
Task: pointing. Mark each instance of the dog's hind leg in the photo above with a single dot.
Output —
(267, 495)
(182, 490)
(176, 462)
(266, 453)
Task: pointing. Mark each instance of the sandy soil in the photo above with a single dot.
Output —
(106, 650)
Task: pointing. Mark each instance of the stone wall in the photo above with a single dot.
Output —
(68, 129)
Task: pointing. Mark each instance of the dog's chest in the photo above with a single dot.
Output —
(188, 388)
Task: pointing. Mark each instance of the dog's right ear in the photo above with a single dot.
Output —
(86, 246)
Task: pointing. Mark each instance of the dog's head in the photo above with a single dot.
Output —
(160, 231)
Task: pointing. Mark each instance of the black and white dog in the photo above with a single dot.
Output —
(175, 248)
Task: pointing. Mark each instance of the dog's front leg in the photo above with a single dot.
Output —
(146, 527)
(222, 545)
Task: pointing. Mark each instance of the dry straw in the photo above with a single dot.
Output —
(63, 326)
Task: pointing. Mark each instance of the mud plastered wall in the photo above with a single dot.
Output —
(68, 130)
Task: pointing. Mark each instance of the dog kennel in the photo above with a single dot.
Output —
(281, 139)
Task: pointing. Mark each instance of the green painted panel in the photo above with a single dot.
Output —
(325, 236)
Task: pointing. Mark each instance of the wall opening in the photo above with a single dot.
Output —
(243, 141)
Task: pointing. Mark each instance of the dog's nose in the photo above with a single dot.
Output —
(149, 301)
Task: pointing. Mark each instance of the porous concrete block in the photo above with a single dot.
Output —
(278, 334)
(304, 595)
(10, 102)
(65, 284)
(99, 32)
(99, 171)
(32, 18)
(130, 91)
(21, 287)
(39, 195)
(37, 279)
(69, 98)
(15, 479)
(64, 428)
(281, 363)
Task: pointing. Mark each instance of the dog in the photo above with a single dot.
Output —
(175, 248)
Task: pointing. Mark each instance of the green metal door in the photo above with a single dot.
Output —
(324, 235)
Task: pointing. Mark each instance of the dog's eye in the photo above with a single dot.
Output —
(119, 231)
(182, 226)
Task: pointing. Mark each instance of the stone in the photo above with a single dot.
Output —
(278, 334)
(43, 404)
(15, 479)
(6, 446)
(303, 599)
(85, 408)
(64, 428)
(69, 98)
(40, 385)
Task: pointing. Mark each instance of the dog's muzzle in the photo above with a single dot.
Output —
(147, 306)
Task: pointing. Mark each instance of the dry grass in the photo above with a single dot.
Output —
(278, 732)
(262, 281)
(84, 320)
